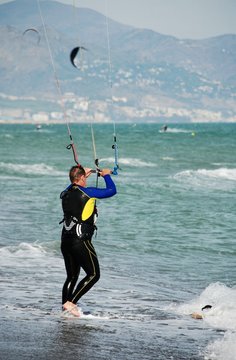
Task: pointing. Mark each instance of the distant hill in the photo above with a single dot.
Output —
(149, 70)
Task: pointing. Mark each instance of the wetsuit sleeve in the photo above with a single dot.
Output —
(98, 193)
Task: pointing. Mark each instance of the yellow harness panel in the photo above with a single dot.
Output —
(88, 209)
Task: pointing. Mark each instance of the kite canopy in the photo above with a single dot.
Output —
(74, 53)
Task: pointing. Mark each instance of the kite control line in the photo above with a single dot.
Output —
(96, 160)
(114, 146)
(116, 166)
(71, 145)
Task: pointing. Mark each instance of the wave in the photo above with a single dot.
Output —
(212, 178)
(22, 250)
(34, 254)
(132, 162)
(7, 136)
(221, 316)
(223, 349)
(30, 169)
(222, 173)
(167, 158)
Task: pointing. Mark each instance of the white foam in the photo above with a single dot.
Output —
(223, 301)
(167, 158)
(221, 178)
(22, 250)
(93, 317)
(221, 316)
(222, 349)
(84, 315)
(27, 255)
(132, 162)
(31, 169)
(221, 173)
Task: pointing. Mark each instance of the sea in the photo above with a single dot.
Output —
(166, 243)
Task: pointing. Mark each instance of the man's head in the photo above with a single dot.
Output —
(77, 174)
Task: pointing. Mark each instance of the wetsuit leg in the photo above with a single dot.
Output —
(72, 266)
(90, 264)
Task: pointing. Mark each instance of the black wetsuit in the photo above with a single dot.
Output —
(79, 209)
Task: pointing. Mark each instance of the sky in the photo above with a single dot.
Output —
(192, 19)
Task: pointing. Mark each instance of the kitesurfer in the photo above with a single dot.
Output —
(164, 128)
(79, 208)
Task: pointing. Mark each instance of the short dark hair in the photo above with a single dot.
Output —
(76, 172)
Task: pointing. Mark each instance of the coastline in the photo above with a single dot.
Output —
(58, 122)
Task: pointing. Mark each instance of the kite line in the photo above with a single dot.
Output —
(71, 145)
(110, 83)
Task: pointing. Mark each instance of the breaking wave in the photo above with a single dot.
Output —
(132, 162)
(30, 169)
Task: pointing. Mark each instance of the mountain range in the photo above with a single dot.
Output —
(125, 72)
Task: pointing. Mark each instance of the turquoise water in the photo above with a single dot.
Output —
(166, 242)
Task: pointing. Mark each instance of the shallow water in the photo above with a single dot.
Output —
(166, 244)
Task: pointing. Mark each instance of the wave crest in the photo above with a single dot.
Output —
(222, 315)
(132, 162)
(220, 179)
(221, 173)
(30, 169)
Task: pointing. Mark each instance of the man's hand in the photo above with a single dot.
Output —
(88, 172)
(105, 172)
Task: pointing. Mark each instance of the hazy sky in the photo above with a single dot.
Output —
(195, 19)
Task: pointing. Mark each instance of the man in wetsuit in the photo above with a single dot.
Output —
(79, 207)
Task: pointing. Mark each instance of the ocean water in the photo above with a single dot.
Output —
(166, 244)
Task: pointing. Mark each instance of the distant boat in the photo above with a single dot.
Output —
(38, 126)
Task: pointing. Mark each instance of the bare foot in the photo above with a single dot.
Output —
(71, 308)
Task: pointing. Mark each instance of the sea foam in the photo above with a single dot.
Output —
(30, 169)
(221, 316)
(223, 349)
(27, 255)
(22, 250)
(221, 178)
(129, 162)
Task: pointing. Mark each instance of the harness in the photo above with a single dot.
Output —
(83, 230)
(79, 213)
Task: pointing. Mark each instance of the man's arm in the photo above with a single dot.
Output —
(98, 193)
